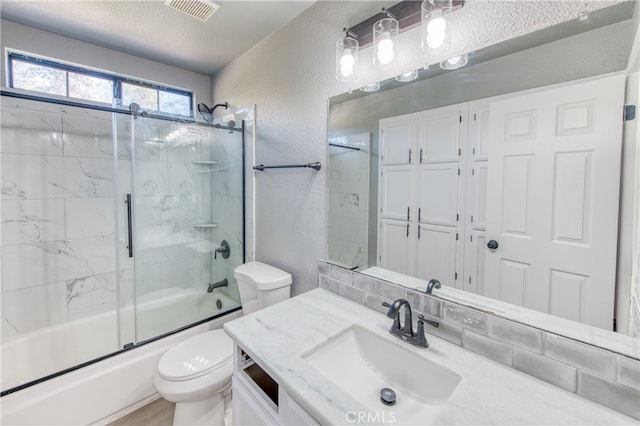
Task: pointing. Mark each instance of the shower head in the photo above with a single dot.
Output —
(206, 113)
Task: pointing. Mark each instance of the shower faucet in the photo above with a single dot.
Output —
(219, 284)
(224, 250)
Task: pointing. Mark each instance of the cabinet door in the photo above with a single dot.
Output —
(474, 262)
(436, 253)
(395, 242)
(477, 200)
(440, 134)
(291, 413)
(247, 410)
(398, 138)
(476, 197)
(479, 132)
(437, 194)
(396, 185)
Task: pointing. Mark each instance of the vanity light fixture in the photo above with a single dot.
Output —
(385, 41)
(455, 62)
(373, 87)
(383, 28)
(407, 76)
(436, 28)
(347, 57)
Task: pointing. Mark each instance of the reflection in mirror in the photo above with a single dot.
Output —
(501, 179)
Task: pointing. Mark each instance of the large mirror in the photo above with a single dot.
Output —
(509, 180)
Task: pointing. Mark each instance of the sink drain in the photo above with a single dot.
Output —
(387, 396)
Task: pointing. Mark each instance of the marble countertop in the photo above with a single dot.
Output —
(489, 393)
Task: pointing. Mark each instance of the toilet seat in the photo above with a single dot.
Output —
(197, 356)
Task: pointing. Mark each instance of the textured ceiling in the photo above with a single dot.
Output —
(151, 30)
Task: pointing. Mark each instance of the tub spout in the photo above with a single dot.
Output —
(223, 283)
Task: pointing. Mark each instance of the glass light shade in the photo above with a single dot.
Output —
(436, 28)
(385, 43)
(346, 59)
(407, 76)
(455, 62)
(372, 87)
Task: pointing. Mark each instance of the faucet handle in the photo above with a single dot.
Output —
(395, 327)
(420, 339)
(422, 319)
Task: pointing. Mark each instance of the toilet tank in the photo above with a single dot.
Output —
(261, 285)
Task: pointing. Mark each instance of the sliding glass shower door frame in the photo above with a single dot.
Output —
(120, 219)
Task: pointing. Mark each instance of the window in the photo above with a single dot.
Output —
(40, 75)
(146, 97)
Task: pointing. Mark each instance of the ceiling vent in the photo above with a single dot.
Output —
(199, 9)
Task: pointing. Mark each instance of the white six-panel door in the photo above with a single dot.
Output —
(552, 202)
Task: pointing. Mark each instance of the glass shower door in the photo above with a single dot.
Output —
(58, 251)
(112, 229)
(175, 230)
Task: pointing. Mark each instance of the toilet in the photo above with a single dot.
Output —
(196, 374)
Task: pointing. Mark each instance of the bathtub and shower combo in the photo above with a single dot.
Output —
(119, 229)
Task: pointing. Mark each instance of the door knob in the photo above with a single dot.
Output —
(492, 244)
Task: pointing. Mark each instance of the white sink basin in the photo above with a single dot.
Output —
(362, 363)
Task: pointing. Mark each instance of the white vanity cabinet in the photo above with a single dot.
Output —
(259, 400)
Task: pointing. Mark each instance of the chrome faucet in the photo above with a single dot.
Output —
(405, 332)
(433, 283)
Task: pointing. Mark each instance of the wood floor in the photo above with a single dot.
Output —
(156, 413)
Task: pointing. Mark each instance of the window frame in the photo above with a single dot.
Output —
(117, 80)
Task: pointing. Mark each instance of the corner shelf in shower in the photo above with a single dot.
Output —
(207, 163)
(205, 225)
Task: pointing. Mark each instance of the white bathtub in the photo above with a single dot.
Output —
(103, 390)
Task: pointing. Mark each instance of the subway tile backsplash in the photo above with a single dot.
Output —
(597, 374)
(554, 372)
(585, 357)
(613, 395)
(465, 318)
(517, 334)
(492, 349)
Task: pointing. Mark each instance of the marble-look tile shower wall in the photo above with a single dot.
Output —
(349, 200)
(59, 204)
(172, 193)
(58, 251)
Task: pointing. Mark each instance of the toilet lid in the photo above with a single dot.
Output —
(196, 356)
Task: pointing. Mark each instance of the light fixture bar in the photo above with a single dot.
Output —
(350, 33)
(407, 13)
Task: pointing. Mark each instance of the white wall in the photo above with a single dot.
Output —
(28, 39)
(290, 76)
